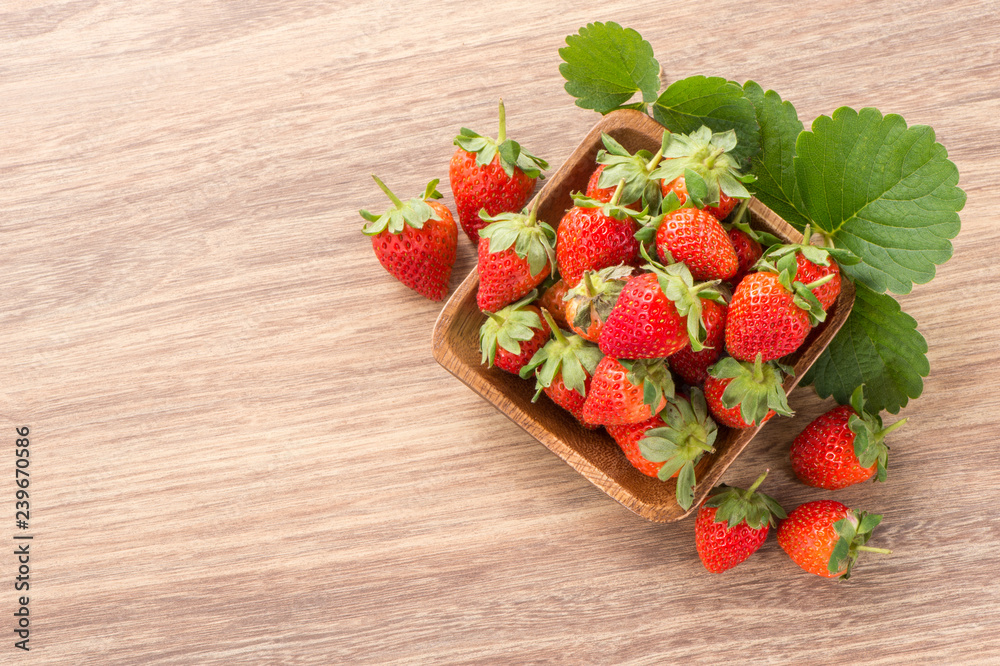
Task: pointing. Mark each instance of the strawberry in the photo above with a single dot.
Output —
(657, 314)
(589, 303)
(553, 300)
(688, 433)
(824, 537)
(511, 336)
(732, 524)
(593, 235)
(415, 241)
(692, 366)
(670, 443)
(747, 249)
(700, 171)
(516, 253)
(616, 164)
(495, 175)
(563, 369)
(813, 265)
(624, 391)
(696, 238)
(842, 447)
(743, 395)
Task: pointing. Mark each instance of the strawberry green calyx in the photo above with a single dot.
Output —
(532, 239)
(507, 328)
(869, 435)
(734, 506)
(636, 170)
(597, 293)
(755, 387)
(705, 161)
(854, 531)
(783, 264)
(653, 375)
(817, 254)
(613, 208)
(570, 355)
(764, 238)
(413, 212)
(510, 152)
(689, 432)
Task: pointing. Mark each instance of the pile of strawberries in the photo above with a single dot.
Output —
(652, 310)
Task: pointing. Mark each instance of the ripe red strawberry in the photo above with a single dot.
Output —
(563, 369)
(748, 251)
(594, 235)
(647, 323)
(812, 265)
(692, 366)
(809, 272)
(825, 537)
(842, 447)
(415, 241)
(511, 336)
(616, 164)
(741, 394)
(723, 209)
(732, 524)
(765, 317)
(624, 391)
(696, 238)
(628, 435)
(552, 299)
(589, 303)
(495, 175)
(516, 253)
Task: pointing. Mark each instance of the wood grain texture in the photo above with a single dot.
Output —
(243, 450)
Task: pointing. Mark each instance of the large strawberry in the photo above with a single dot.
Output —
(589, 303)
(563, 369)
(824, 537)
(616, 164)
(842, 447)
(511, 336)
(516, 253)
(495, 175)
(625, 391)
(415, 241)
(657, 314)
(743, 395)
(709, 175)
(692, 366)
(732, 524)
(696, 238)
(593, 235)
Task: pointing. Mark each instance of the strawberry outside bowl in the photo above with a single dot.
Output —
(593, 453)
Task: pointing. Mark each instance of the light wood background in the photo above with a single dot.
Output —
(242, 449)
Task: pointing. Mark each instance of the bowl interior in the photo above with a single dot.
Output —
(592, 452)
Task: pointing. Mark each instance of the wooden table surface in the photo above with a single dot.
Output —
(242, 450)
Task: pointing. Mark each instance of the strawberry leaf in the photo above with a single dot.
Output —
(885, 191)
(605, 65)
(688, 104)
(879, 347)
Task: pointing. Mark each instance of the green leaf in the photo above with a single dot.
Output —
(605, 65)
(715, 102)
(880, 347)
(777, 186)
(886, 192)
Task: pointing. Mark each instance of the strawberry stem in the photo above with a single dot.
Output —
(883, 551)
(388, 192)
(892, 427)
(533, 215)
(502, 134)
(756, 484)
(656, 160)
(710, 160)
(616, 197)
(556, 331)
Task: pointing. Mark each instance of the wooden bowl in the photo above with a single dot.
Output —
(592, 452)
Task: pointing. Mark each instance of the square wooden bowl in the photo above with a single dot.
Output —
(592, 452)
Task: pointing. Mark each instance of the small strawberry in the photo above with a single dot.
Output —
(553, 300)
(628, 435)
(824, 537)
(698, 168)
(495, 175)
(616, 164)
(511, 336)
(563, 369)
(415, 241)
(657, 314)
(593, 235)
(516, 253)
(747, 242)
(696, 238)
(743, 395)
(589, 303)
(732, 524)
(842, 447)
(688, 433)
(692, 366)
(624, 391)
(814, 265)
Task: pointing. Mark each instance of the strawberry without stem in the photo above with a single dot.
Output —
(696, 238)
(415, 241)
(692, 366)
(741, 394)
(495, 175)
(732, 524)
(624, 391)
(593, 235)
(825, 537)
